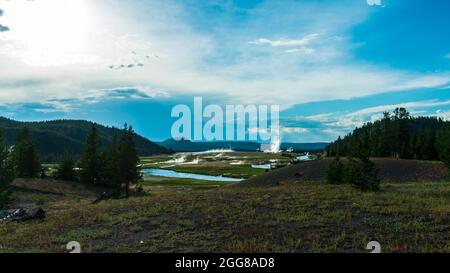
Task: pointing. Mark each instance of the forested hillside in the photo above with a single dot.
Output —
(396, 135)
(53, 138)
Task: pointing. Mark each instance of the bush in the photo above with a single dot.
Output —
(362, 174)
(335, 174)
(66, 169)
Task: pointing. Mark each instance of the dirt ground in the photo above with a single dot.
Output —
(390, 170)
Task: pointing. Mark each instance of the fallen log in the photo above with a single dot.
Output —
(21, 215)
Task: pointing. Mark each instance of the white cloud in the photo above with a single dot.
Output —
(286, 42)
(407, 105)
(193, 61)
(319, 117)
(339, 123)
(333, 134)
(303, 50)
(290, 130)
(296, 45)
(445, 115)
(374, 2)
(347, 122)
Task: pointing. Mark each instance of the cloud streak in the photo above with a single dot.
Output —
(407, 105)
(286, 42)
(374, 2)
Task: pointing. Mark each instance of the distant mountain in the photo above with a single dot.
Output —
(53, 138)
(184, 145)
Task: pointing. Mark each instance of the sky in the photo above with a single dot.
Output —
(331, 65)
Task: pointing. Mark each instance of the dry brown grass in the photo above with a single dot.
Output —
(301, 217)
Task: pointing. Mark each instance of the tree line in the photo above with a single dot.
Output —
(116, 167)
(397, 135)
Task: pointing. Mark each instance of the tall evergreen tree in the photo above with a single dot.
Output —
(90, 162)
(443, 146)
(398, 136)
(66, 169)
(6, 172)
(25, 156)
(387, 135)
(111, 170)
(129, 171)
(335, 174)
(362, 174)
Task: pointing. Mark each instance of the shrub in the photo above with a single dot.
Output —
(335, 174)
(362, 174)
(66, 169)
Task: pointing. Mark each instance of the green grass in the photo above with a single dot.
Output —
(151, 161)
(301, 217)
(237, 171)
(188, 183)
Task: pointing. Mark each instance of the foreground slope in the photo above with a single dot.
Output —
(296, 217)
(53, 138)
(390, 170)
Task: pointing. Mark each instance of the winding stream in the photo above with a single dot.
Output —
(174, 174)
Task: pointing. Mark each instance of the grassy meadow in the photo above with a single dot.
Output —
(291, 209)
(296, 217)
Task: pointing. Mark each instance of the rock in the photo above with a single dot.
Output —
(21, 215)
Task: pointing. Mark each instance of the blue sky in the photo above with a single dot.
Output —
(330, 65)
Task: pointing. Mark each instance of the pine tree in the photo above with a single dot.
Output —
(356, 145)
(335, 174)
(401, 139)
(111, 171)
(377, 142)
(66, 169)
(90, 161)
(398, 136)
(370, 180)
(25, 156)
(362, 174)
(443, 146)
(129, 171)
(387, 135)
(6, 172)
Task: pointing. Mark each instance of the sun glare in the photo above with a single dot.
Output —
(49, 32)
